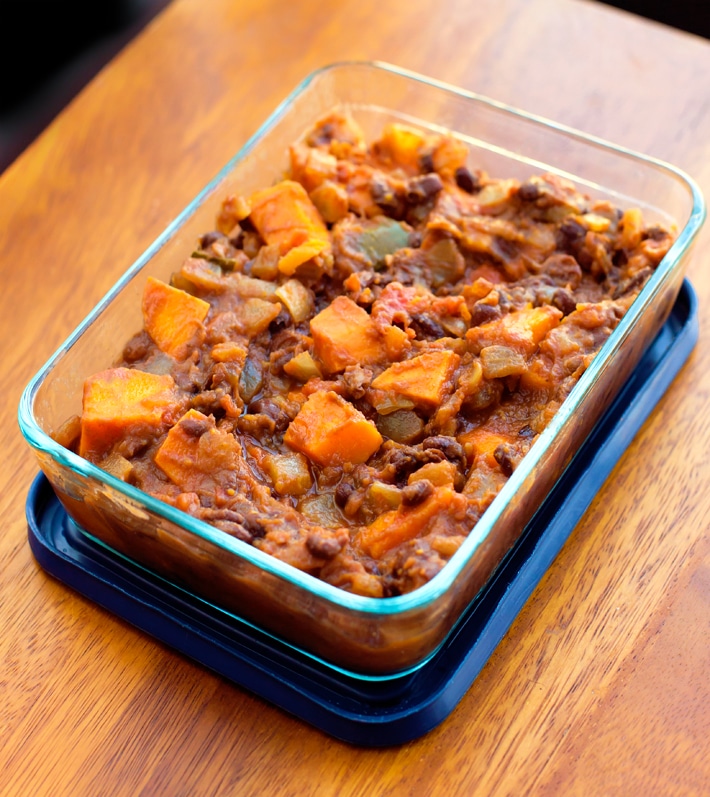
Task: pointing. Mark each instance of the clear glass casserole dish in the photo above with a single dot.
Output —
(369, 636)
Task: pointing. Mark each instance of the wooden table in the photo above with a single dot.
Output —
(602, 683)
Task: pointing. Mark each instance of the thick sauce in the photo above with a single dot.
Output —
(350, 366)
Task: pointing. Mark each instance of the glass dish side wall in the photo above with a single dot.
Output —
(375, 635)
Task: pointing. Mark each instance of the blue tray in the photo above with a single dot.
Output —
(366, 711)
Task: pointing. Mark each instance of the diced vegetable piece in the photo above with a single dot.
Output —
(501, 361)
(631, 226)
(117, 466)
(331, 199)
(303, 367)
(196, 455)
(423, 379)
(330, 431)
(380, 237)
(338, 126)
(402, 426)
(403, 144)
(123, 399)
(311, 166)
(252, 288)
(438, 473)
(595, 222)
(289, 263)
(494, 195)
(382, 496)
(265, 265)
(204, 274)
(449, 155)
(171, 316)
(284, 215)
(321, 510)
(289, 473)
(297, 299)
(445, 261)
(251, 379)
(229, 352)
(521, 330)
(68, 433)
(344, 334)
(398, 526)
(255, 315)
(234, 209)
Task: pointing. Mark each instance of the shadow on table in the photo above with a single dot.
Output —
(51, 50)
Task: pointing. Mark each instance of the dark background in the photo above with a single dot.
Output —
(51, 49)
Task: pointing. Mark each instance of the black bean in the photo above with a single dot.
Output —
(449, 446)
(383, 194)
(564, 300)
(265, 406)
(235, 530)
(420, 189)
(505, 457)
(254, 526)
(620, 258)
(465, 180)
(655, 233)
(194, 427)
(137, 347)
(323, 544)
(209, 238)
(416, 492)
(572, 230)
(529, 192)
(426, 327)
(426, 162)
(237, 240)
(483, 313)
(342, 493)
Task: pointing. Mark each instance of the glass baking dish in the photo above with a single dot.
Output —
(368, 636)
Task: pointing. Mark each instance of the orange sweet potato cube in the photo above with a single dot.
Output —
(423, 379)
(522, 329)
(197, 456)
(403, 144)
(481, 443)
(122, 399)
(330, 431)
(284, 215)
(344, 334)
(171, 316)
(400, 525)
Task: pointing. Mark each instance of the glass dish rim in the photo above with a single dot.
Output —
(442, 582)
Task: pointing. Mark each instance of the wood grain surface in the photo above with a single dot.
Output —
(602, 684)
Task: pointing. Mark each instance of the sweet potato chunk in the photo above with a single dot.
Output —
(171, 316)
(344, 334)
(197, 456)
(330, 431)
(480, 445)
(403, 145)
(122, 399)
(521, 330)
(285, 215)
(423, 379)
(397, 526)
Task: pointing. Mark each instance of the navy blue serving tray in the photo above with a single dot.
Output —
(380, 711)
